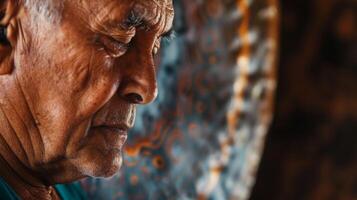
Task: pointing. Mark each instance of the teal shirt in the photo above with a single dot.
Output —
(71, 191)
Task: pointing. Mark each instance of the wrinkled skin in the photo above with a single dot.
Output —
(69, 88)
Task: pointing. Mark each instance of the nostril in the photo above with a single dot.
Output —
(134, 98)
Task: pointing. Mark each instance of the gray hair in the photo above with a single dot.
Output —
(48, 10)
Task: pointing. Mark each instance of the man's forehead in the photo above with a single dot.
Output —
(144, 8)
(105, 5)
(107, 13)
(158, 13)
(165, 6)
(160, 2)
(153, 8)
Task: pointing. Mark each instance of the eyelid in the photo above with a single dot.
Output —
(113, 47)
(124, 36)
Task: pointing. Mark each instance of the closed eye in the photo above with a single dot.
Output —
(113, 47)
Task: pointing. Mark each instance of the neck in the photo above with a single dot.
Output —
(17, 152)
(24, 185)
(25, 182)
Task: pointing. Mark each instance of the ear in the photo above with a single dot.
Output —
(8, 34)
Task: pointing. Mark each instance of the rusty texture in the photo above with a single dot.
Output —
(311, 149)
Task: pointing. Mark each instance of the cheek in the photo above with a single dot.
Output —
(67, 86)
(96, 83)
(86, 78)
(65, 93)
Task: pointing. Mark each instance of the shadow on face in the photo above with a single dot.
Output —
(78, 77)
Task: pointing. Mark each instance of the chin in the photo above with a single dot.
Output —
(100, 153)
(97, 163)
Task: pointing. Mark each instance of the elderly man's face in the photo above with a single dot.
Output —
(82, 77)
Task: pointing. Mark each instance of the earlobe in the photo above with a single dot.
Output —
(9, 9)
(8, 37)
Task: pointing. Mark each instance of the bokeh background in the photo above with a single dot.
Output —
(311, 149)
(203, 138)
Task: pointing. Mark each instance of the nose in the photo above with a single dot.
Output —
(139, 88)
(138, 77)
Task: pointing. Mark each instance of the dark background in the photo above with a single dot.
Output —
(311, 149)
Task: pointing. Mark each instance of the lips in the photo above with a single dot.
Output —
(115, 135)
(110, 125)
(119, 128)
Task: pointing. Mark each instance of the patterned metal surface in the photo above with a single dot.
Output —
(311, 151)
(202, 138)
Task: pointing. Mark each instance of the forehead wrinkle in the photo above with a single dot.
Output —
(145, 11)
(167, 4)
(108, 18)
(155, 12)
(164, 19)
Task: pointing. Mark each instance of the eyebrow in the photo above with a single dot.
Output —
(135, 19)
